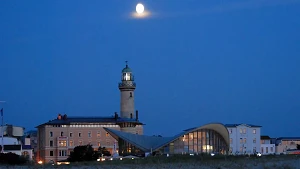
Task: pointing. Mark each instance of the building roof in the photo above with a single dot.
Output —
(148, 143)
(235, 125)
(126, 69)
(265, 138)
(288, 138)
(104, 120)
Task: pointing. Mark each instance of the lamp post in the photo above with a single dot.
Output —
(2, 144)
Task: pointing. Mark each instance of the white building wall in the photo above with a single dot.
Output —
(267, 149)
(244, 139)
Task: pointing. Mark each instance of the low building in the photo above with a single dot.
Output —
(14, 145)
(210, 138)
(266, 145)
(244, 138)
(32, 141)
(284, 145)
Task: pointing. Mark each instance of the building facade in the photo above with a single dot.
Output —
(58, 137)
(287, 145)
(244, 138)
(267, 147)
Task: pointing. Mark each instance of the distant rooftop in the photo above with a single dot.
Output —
(265, 138)
(235, 125)
(288, 138)
(65, 120)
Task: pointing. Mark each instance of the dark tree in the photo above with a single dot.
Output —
(103, 151)
(298, 146)
(83, 153)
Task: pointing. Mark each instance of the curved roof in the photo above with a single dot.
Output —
(148, 143)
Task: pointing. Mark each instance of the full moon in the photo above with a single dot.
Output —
(139, 8)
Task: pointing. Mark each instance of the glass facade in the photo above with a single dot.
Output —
(199, 141)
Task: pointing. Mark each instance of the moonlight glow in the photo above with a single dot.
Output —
(139, 8)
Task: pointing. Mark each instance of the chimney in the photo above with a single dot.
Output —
(116, 116)
(65, 117)
(59, 117)
(137, 115)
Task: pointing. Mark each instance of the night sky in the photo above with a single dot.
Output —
(194, 62)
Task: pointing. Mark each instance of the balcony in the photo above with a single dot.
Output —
(127, 84)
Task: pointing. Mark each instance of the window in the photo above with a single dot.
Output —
(98, 134)
(245, 140)
(271, 149)
(254, 131)
(267, 149)
(51, 153)
(62, 153)
(51, 143)
(51, 134)
(79, 134)
(241, 131)
(107, 135)
(254, 140)
(230, 140)
(241, 149)
(230, 150)
(262, 150)
(71, 143)
(244, 131)
(62, 143)
(254, 149)
(241, 140)
(89, 134)
(99, 144)
(230, 131)
(130, 94)
(80, 143)
(61, 133)
(71, 134)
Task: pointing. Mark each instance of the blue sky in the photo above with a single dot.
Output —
(194, 62)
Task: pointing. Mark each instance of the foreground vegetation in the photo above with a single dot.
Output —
(186, 161)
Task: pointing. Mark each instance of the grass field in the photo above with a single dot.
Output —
(182, 162)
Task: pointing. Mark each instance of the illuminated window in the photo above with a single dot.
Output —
(254, 131)
(241, 131)
(89, 134)
(62, 143)
(71, 143)
(98, 134)
(107, 135)
(51, 134)
(79, 134)
(80, 143)
(99, 144)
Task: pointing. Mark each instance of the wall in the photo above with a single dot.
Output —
(250, 146)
